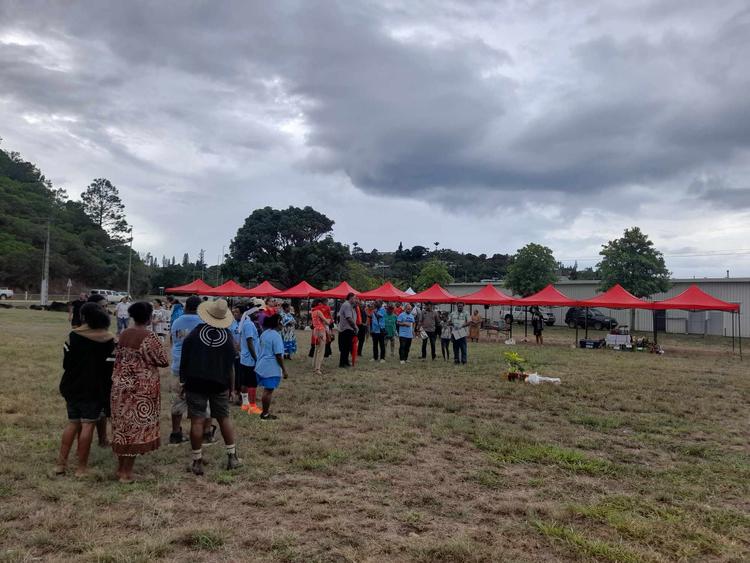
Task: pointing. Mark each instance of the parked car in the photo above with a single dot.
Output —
(520, 316)
(576, 316)
(112, 296)
(6, 293)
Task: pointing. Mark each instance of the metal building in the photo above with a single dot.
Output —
(734, 290)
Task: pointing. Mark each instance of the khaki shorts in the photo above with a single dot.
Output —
(179, 402)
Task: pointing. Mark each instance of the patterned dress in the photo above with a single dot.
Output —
(136, 394)
(288, 334)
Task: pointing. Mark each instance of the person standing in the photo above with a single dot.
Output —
(537, 324)
(176, 309)
(361, 326)
(459, 321)
(136, 392)
(475, 323)
(101, 426)
(430, 324)
(328, 314)
(180, 329)
(445, 337)
(270, 366)
(235, 329)
(74, 310)
(85, 383)
(347, 329)
(206, 368)
(288, 333)
(121, 312)
(405, 322)
(377, 331)
(320, 336)
(248, 358)
(391, 329)
(160, 320)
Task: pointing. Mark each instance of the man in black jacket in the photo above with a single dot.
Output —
(206, 368)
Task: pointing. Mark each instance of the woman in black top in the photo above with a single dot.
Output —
(86, 383)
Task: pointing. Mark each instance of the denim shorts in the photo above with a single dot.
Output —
(83, 410)
(199, 403)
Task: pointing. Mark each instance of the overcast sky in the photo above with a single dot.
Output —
(483, 125)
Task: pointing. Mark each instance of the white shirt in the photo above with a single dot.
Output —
(122, 310)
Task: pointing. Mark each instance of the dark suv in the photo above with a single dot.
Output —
(597, 320)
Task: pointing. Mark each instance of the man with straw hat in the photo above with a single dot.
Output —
(206, 370)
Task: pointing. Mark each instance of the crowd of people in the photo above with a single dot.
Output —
(218, 355)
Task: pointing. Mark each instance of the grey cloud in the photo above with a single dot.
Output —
(718, 192)
(580, 105)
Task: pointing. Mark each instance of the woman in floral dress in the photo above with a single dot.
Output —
(288, 335)
(136, 395)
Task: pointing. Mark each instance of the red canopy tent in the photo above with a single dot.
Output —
(194, 287)
(549, 296)
(265, 289)
(386, 292)
(339, 292)
(617, 297)
(434, 294)
(302, 290)
(695, 299)
(227, 289)
(488, 295)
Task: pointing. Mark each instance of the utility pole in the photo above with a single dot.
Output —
(44, 296)
(219, 266)
(130, 259)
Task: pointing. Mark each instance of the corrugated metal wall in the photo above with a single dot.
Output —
(733, 290)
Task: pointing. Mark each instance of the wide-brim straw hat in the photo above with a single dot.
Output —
(216, 313)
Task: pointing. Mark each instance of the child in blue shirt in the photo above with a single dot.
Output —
(269, 368)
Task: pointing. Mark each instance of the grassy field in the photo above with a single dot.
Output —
(635, 457)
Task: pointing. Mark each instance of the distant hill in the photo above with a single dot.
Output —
(80, 250)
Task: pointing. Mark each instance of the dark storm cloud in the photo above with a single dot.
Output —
(539, 103)
(718, 192)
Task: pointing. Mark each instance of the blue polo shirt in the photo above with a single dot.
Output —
(248, 330)
(180, 330)
(406, 331)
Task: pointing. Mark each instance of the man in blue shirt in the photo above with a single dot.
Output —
(248, 357)
(179, 330)
(405, 323)
(377, 330)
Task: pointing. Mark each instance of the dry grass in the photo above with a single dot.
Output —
(633, 458)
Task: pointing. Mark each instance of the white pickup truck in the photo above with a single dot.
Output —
(6, 293)
(113, 297)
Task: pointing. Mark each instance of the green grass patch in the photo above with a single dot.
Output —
(598, 423)
(321, 460)
(519, 450)
(205, 540)
(588, 547)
